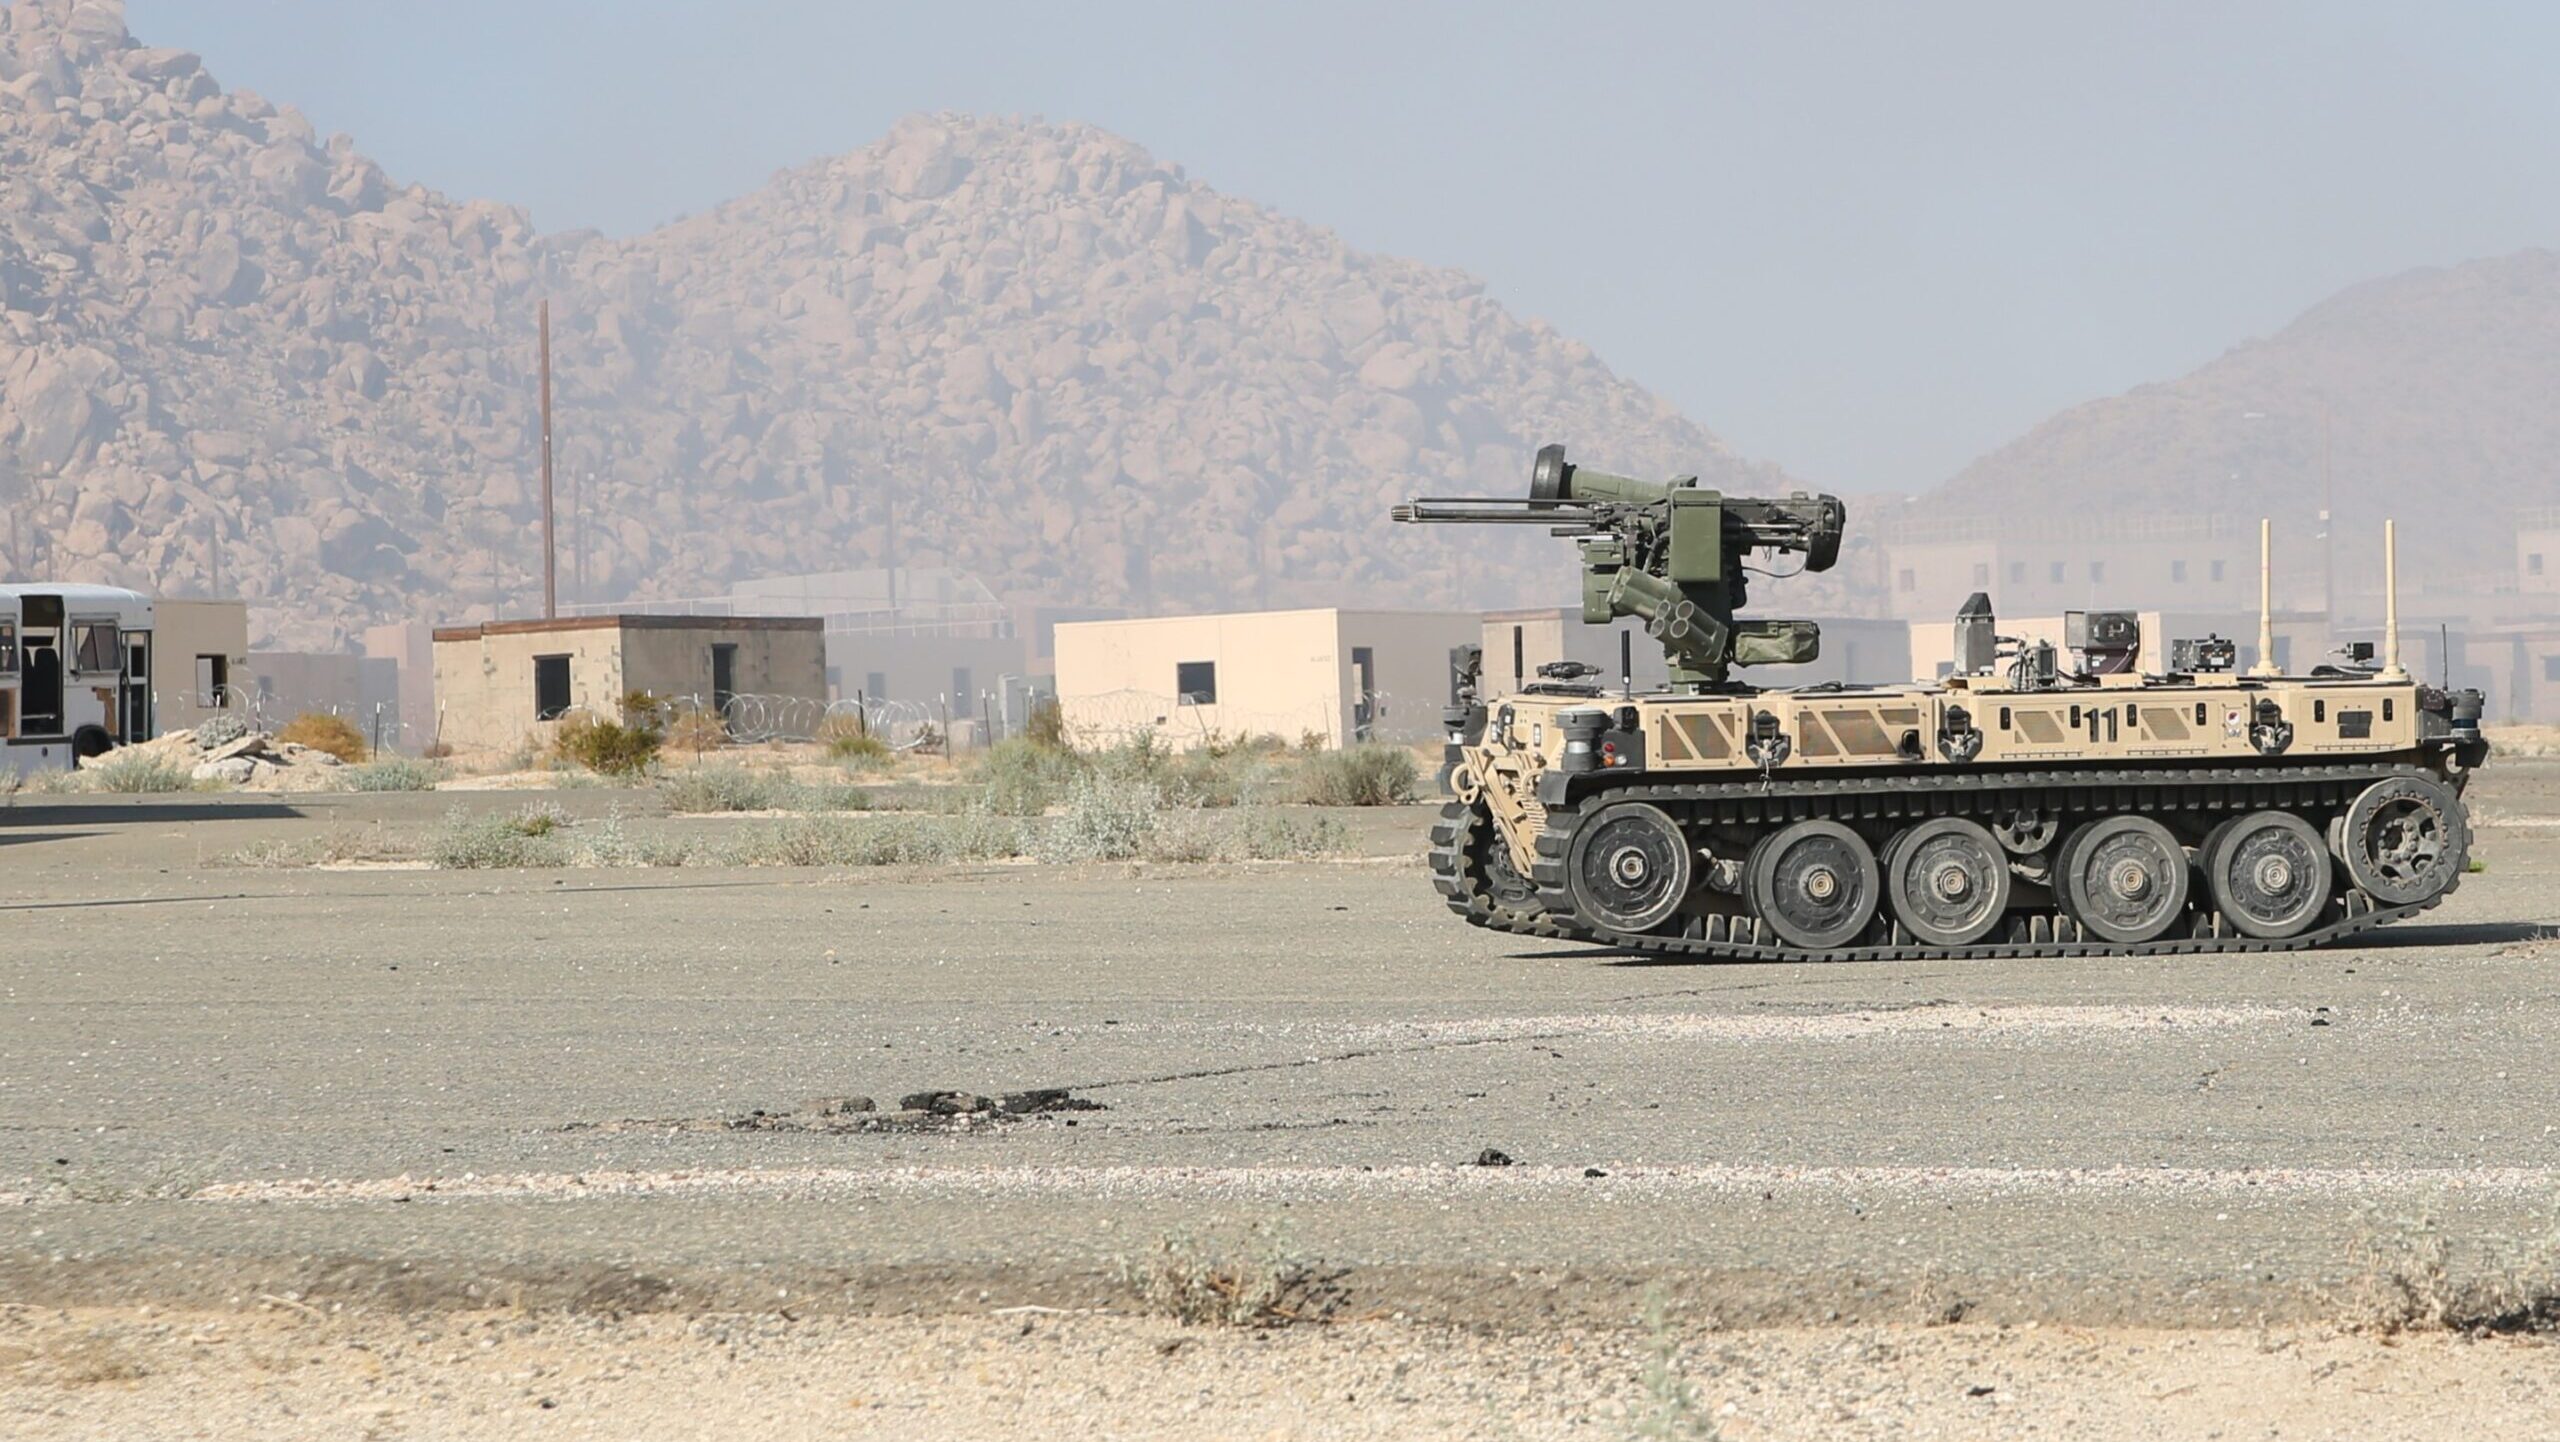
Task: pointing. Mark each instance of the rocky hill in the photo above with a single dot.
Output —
(2430, 392)
(236, 356)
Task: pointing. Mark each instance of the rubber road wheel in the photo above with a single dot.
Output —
(1949, 880)
(1814, 883)
(1629, 867)
(2125, 878)
(2269, 873)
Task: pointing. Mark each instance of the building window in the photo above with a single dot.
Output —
(2097, 570)
(1196, 682)
(213, 680)
(961, 689)
(2551, 668)
(1906, 580)
(2533, 564)
(2017, 573)
(875, 685)
(2177, 570)
(2217, 570)
(2055, 573)
(550, 687)
(1981, 574)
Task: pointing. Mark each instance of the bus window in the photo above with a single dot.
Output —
(96, 648)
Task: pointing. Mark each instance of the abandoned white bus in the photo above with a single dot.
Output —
(75, 673)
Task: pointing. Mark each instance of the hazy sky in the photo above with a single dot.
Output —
(1866, 241)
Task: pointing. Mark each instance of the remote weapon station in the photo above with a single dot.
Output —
(2036, 800)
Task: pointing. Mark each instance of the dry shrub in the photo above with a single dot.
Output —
(861, 750)
(1369, 774)
(322, 731)
(1046, 726)
(2406, 1278)
(134, 773)
(697, 731)
(1260, 1285)
(612, 748)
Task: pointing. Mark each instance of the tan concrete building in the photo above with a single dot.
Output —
(2300, 639)
(410, 648)
(2517, 668)
(500, 682)
(200, 654)
(2045, 566)
(1336, 675)
(364, 691)
(1855, 649)
(2538, 551)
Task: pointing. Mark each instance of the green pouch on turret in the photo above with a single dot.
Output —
(1775, 643)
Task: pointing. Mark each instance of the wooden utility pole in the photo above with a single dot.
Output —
(550, 555)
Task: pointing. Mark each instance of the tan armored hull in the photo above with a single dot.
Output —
(2132, 813)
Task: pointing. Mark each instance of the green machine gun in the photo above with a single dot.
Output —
(1669, 554)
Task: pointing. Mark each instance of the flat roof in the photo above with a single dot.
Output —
(1101, 622)
(479, 629)
(77, 593)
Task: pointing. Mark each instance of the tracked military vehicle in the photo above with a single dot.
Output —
(2037, 800)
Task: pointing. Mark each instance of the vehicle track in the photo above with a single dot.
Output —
(2026, 933)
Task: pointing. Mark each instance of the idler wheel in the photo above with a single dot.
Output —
(2268, 873)
(1492, 880)
(2122, 877)
(1629, 868)
(2404, 840)
(1814, 883)
(1949, 880)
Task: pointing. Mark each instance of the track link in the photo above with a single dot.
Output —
(1453, 879)
(2026, 933)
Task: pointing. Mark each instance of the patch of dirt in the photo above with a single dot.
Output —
(286, 1370)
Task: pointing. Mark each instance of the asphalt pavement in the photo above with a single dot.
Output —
(220, 1081)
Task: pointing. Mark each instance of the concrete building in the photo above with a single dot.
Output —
(1857, 650)
(2300, 638)
(364, 690)
(2046, 566)
(410, 648)
(2517, 668)
(200, 653)
(1336, 675)
(499, 682)
(918, 636)
(2538, 551)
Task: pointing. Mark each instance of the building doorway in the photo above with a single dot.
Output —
(724, 676)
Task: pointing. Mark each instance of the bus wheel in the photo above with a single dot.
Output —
(91, 742)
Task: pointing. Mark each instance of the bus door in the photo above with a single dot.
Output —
(40, 655)
(137, 688)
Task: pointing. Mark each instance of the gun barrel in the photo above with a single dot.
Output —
(1491, 510)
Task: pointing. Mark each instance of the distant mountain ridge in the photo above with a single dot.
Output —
(2425, 396)
(235, 356)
